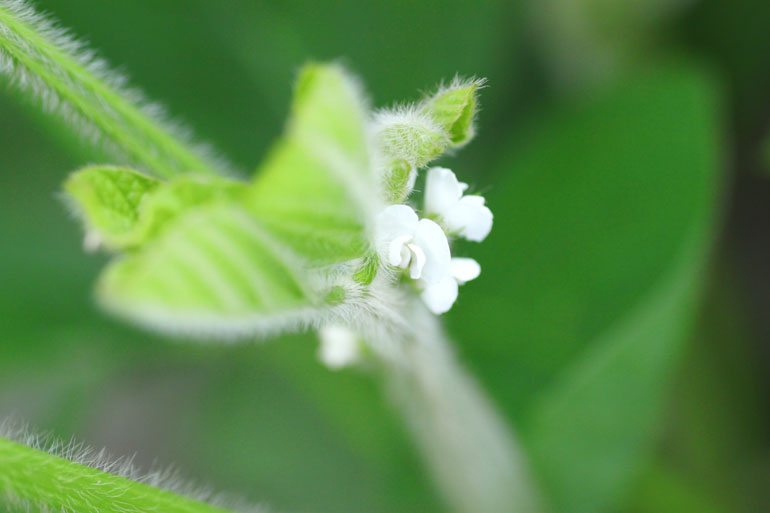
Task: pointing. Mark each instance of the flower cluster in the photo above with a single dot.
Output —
(421, 246)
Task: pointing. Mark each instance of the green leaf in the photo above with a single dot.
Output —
(454, 108)
(108, 199)
(609, 210)
(217, 270)
(171, 199)
(316, 191)
(220, 257)
(125, 208)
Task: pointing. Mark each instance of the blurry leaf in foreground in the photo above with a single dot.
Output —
(237, 260)
(609, 211)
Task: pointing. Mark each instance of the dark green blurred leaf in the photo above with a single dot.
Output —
(604, 218)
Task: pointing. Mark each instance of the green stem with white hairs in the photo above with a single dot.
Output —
(38, 480)
(47, 63)
(470, 452)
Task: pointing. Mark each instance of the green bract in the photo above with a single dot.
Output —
(454, 109)
(411, 137)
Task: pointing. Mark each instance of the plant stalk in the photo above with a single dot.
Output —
(40, 480)
(472, 456)
(47, 63)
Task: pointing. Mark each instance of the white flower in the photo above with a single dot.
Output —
(440, 296)
(405, 241)
(465, 215)
(340, 346)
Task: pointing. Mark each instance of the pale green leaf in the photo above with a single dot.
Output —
(125, 208)
(226, 258)
(316, 191)
(108, 199)
(173, 198)
(215, 270)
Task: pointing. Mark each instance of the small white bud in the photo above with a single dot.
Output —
(340, 346)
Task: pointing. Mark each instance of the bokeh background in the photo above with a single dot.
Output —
(622, 320)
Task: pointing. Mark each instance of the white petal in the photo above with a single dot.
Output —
(470, 218)
(474, 200)
(433, 242)
(394, 221)
(398, 253)
(440, 296)
(464, 269)
(417, 261)
(442, 191)
(339, 346)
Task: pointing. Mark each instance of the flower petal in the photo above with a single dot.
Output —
(433, 242)
(442, 191)
(473, 200)
(464, 269)
(470, 218)
(440, 296)
(398, 253)
(417, 261)
(393, 222)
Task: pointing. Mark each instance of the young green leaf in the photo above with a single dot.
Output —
(316, 192)
(454, 108)
(123, 208)
(108, 200)
(171, 199)
(214, 270)
(237, 259)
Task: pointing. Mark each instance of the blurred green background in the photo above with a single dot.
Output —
(623, 317)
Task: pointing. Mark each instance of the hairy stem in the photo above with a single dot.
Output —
(47, 63)
(473, 457)
(36, 478)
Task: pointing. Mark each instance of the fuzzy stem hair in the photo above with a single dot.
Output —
(43, 474)
(474, 459)
(45, 62)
